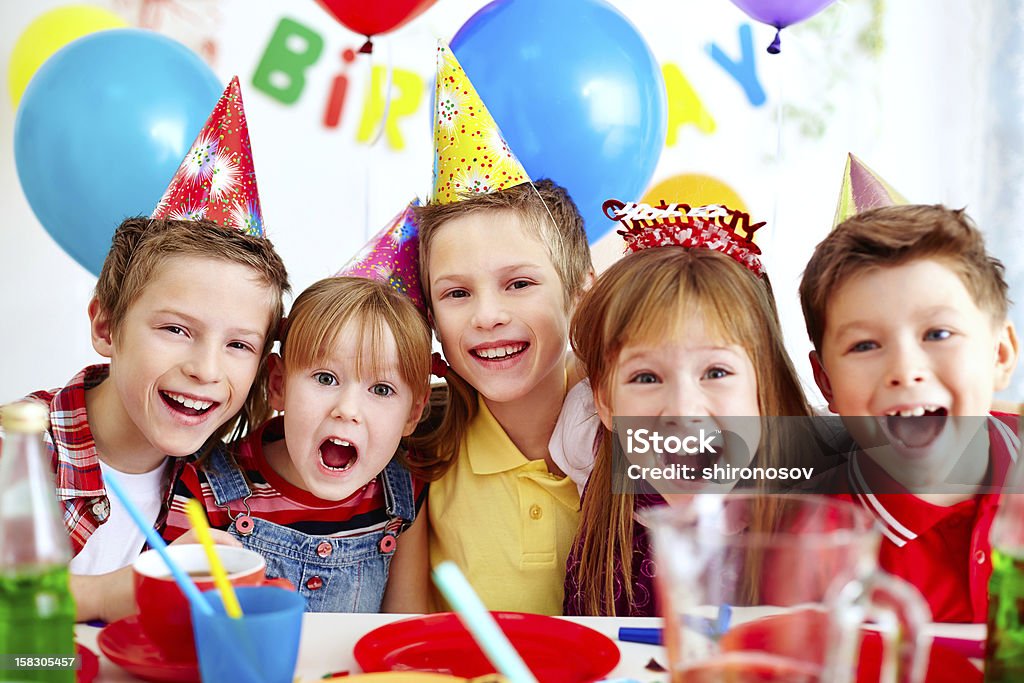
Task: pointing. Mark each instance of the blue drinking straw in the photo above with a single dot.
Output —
(481, 623)
(185, 582)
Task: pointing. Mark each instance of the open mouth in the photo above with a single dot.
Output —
(700, 459)
(915, 427)
(186, 405)
(338, 455)
(500, 353)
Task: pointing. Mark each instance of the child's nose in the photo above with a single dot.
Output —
(686, 403)
(906, 367)
(204, 365)
(347, 407)
(489, 312)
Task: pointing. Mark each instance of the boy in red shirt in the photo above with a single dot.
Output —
(908, 316)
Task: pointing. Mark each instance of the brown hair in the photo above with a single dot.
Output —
(140, 245)
(894, 236)
(677, 284)
(546, 211)
(326, 307)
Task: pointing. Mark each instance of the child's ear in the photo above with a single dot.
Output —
(275, 381)
(588, 282)
(100, 329)
(1006, 355)
(416, 413)
(821, 379)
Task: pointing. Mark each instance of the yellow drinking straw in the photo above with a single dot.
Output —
(220, 577)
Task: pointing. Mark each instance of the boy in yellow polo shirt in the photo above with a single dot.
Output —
(503, 261)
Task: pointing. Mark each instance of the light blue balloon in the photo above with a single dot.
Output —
(576, 92)
(101, 130)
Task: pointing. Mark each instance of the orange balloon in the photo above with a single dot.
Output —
(695, 189)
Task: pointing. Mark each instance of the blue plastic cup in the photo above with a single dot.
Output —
(261, 647)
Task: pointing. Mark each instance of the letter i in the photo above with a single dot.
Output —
(339, 87)
(629, 440)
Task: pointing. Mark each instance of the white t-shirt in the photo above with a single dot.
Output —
(117, 542)
(572, 443)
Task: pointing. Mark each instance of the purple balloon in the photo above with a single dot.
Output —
(780, 13)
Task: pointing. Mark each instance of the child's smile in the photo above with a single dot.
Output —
(188, 405)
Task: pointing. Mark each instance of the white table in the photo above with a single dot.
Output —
(328, 639)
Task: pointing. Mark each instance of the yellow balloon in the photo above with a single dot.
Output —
(50, 32)
(695, 189)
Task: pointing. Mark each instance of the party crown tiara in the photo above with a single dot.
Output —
(711, 227)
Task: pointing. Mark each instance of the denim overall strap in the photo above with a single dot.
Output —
(398, 492)
(225, 479)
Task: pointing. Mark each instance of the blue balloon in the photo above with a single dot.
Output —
(576, 93)
(101, 130)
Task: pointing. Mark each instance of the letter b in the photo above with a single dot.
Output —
(291, 50)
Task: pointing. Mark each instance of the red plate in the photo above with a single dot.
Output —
(555, 650)
(124, 643)
(90, 664)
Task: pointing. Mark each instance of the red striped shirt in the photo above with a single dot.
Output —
(275, 500)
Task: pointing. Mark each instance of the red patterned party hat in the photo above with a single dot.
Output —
(391, 257)
(216, 179)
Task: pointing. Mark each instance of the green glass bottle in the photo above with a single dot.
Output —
(1004, 648)
(37, 612)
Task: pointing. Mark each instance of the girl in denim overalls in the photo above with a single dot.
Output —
(319, 491)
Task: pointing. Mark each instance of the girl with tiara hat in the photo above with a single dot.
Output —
(700, 338)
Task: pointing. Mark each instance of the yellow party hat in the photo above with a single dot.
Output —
(470, 153)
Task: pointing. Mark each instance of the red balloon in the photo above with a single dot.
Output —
(370, 17)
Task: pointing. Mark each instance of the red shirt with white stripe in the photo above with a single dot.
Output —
(943, 551)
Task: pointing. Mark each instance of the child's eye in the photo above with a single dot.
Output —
(382, 390)
(520, 284)
(861, 347)
(241, 346)
(937, 335)
(325, 379)
(644, 378)
(173, 329)
(716, 373)
(455, 294)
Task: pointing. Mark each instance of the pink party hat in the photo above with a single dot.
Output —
(391, 256)
(470, 153)
(216, 179)
(863, 189)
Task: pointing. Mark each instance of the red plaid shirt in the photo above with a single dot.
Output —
(75, 462)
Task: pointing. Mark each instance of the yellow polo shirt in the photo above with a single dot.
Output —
(504, 520)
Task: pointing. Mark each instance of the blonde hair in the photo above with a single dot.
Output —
(546, 211)
(674, 284)
(140, 245)
(327, 307)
